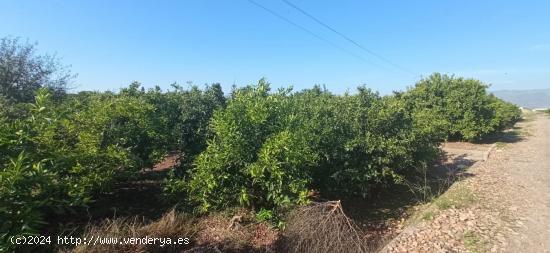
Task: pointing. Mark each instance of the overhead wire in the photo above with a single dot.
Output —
(304, 29)
(347, 37)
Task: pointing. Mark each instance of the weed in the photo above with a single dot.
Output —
(522, 132)
(456, 198)
(264, 215)
(443, 203)
(426, 189)
(473, 242)
(500, 144)
(528, 116)
(428, 215)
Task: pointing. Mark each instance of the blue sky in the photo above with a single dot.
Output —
(112, 43)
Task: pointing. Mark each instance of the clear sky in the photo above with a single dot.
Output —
(111, 43)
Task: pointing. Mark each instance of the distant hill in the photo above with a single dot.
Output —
(526, 98)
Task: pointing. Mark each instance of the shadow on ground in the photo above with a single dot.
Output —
(512, 135)
(391, 202)
(380, 214)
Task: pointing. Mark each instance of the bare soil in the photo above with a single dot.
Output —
(503, 205)
(527, 192)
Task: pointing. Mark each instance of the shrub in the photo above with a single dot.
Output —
(271, 149)
(196, 108)
(239, 130)
(122, 125)
(83, 144)
(469, 112)
(91, 139)
(42, 171)
(506, 114)
(25, 188)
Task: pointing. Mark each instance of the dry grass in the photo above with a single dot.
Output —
(171, 225)
(528, 115)
(473, 242)
(457, 197)
(500, 144)
(322, 227)
(235, 230)
(216, 232)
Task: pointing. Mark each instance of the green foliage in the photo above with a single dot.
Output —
(121, 125)
(261, 149)
(271, 149)
(264, 215)
(23, 72)
(469, 113)
(87, 142)
(506, 114)
(53, 170)
(196, 108)
(24, 189)
(28, 183)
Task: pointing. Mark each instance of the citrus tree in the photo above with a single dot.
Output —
(271, 149)
(469, 111)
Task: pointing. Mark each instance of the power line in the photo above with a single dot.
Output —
(346, 37)
(312, 33)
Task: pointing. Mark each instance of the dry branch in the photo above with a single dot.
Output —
(322, 227)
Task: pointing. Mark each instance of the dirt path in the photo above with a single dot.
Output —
(528, 165)
(502, 205)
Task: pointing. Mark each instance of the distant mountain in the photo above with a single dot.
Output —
(526, 98)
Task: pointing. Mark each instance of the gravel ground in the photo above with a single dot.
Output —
(502, 205)
(528, 165)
